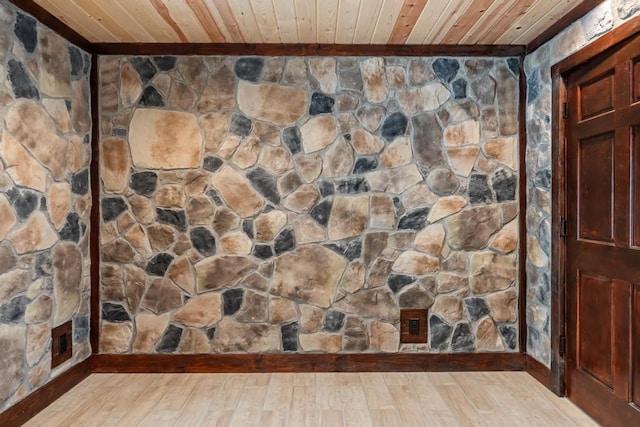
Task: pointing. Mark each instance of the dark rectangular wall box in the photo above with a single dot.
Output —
(413, 326)
(61, 344)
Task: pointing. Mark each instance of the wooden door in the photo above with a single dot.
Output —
(603, 246)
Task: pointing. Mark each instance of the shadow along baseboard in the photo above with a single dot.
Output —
(538, 371)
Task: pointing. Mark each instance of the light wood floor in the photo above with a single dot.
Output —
(327, 399)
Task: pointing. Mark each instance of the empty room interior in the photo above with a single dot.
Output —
(319, 212)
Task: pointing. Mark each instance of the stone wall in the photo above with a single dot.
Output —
(601, 20)
(297, 204)
(44, 200)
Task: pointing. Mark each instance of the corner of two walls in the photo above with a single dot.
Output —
(596, 23)
(44, 200)
(288, 204)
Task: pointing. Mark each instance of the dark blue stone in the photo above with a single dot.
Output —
(80, 328)
(352, 185)
(145, 68)
(114, 313)
(112, 207)
(43, 204)
(71, 229)
(394, 125)
(321, 104)
(213, 195)
(399, 281)
(347, 136)
(292, 139)
(414, 220)
(151, 97)
(25, 30)
(365, 164)
(13, 311)
(543, 179)
(504, 185)
(203, 241)
(262, 251)
(459, 88)
(77, 62)
(211, 333)
(232, 301)
(247, 227)
(320, 212)
(23, 86)
(479, 191)
(159, 264)
(122, 133)
(174, 218)
(265, 183)
(80, 182)
(170, 340)
(477, 308)
(144, 183)
(24, 202)
(240, 125)
(44, 265)
(212, 163)
(353, 250)
(325, 188)
(336, 247)
(333, 321)
(462, 340)
(510, 335)
(289, 336)
(446, 69)
(285, 241)
(249, 69)
(533, 86)
(514, 65)
(165, 63)
(440, 333)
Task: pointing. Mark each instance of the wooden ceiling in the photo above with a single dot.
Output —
(414, 22)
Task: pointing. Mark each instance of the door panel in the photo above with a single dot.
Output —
(635, 184)
(636, 79)
(635, 351)
(597, 96)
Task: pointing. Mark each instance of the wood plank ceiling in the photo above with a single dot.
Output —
(506, 22)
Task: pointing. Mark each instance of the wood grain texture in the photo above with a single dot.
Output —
(538, 371)
(522, 208)
(94, 219)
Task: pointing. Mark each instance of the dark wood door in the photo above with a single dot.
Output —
(603, 247)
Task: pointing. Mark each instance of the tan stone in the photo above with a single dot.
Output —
(446, 206)
(214, 126)
(267, 226)
(109, 83)
(181, 274)
(503, 306)
(506, 240)
(471, 228)
(318, 132)
(130, 86)
(366, 143)
(21, 167)
(181, 97)
(162, 296)
(282, 105)
(461, 134)
(450, 282)
(309, 165)
(374, 78)
(161, 236)
(383, 213)
(462, 159)
(275, 159)
(349, 216)
(12, 349)
(384, 337)
(114, 164)
(7, 218)
(307, 230)
(79, 153)
(30, 124)
(535, 254)
(218, 272)
(39, 310)
(67, 266)
(257, 281)
(255, 308)
(118, 250)
(37, 342)
(171, 196)
(55, 68)
(247, 153)
(302, 199)
(310, 318)
(338, 160)
(488, 337)
(115, 337)
(194, 341)
(430, 240)
(353, 279)
(165, 139)
(370, 116)
(225, 220)
(34, 235)
(282, 310)
(143, 209)
(267, 133)
(199, 210)
(149, 330)
(13, 283)
(417, 196)
(411, 262)
(218, 93)
(200, 311)
(377, 303)
(416, 297)
(398, 153)
(58, 111)
(233, 337)
(137, 237)
(80, 108)
(449, 308)
(396, 77)
(504, 150)
(237, 191)
(426, 98)
(236, 243)
(135, 280)
(491, 272)
(324, 70)
(321, 341)
(309, 274)
(395, 180)
(228, 146)
(124, 222)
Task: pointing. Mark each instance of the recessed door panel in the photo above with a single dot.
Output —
(635, 186)
(636, 80)
(596, 96)
(635, 348)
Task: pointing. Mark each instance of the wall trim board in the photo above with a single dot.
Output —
(35, 402)
(522, 209)
(47, 18)
(576, 13)
(94, 233)
(237, 49)
(538, 371)
(372, 362)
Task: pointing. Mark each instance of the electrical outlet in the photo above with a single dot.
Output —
(413, 326)
(61, 344)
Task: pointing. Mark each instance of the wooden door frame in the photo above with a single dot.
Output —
(559, 73)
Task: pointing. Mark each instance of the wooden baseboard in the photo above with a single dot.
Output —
(230, 363)
(538, 371)
(28, 407)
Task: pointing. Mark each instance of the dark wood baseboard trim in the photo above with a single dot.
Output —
(538, 371)
(27, 408)
(231, 363)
